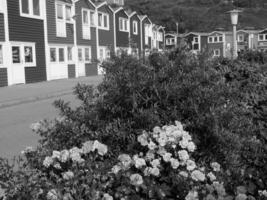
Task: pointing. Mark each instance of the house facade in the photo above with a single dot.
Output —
(247, 39)
(158, 38)
(147, 34)
(262, 40)
(135, 34)
(170, 41)
(122, 30)
(216, 44)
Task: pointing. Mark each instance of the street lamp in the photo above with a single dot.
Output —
(234, 20)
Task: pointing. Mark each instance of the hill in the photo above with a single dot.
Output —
(202, 15)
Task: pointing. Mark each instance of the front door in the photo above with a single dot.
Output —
(18, 71)
(81, 63)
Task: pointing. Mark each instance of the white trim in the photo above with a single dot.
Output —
(123, 28)
(135, 26)
(240, 37)
(2, 54)
(87, 27)
(217, 38)
(114, 28)
(2, 6)
(215, 51)
(31, 15)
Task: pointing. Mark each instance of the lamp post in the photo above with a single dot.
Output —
(234, 20)
(177, 34)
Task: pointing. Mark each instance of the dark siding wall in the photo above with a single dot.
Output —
(161, 44)
(121, 37)
(106, 38)
(52, 29)
(28, 30)
(2, 27)
(204, 43)
(3, 77)
(71, 71)
(213, 46)
(91, 69)
(136, 39)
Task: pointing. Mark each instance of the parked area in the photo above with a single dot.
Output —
(61, 39)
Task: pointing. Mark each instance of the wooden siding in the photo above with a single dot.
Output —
(122, 38)
(91, 69)
(2, 27)
(106, 37)
(3, 77)
(161, 43)
(23, 29)
(52, 29)
(71, 71)
(135, 39)
(204, 43)
(146, 21)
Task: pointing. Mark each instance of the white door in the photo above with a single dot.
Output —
(18, 71)
(81, 63)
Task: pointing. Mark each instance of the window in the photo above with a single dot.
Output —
(135, 27)
(80, 54)
(1, 5)
(160, 36)
(220, 39)
(1, 54)
(84, 54)
(195, 39)
(217, 52)
(63, 16)
(30, 8)
(104, 53)
(123, 24)
(61, 56)
(261, 37)
(103, 21)
(92, 18)
(53, 55)
(86, 24)
(240, 38)
(87, 52)
(24, 53)
(215, 39)
(210, 39)
(195, 43)
(70, 52)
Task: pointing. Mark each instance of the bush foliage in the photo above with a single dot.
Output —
(222, 103)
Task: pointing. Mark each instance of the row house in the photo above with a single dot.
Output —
(57, 39)
(158, 38)
(262, 40)
(172, 40)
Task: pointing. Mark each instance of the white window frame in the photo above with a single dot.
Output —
(102, 26)
(264, 37)
(2, 45)
(213, 39)
(216, 52)
(57, 47)
(194, 42)
(22, 46)
(31, 15)
(135, 27)
(72, 54)
(1, 6)
(160, 36)
(86, 27)
(240, 37)
(106, 53)
(124, 21)
(83, 54)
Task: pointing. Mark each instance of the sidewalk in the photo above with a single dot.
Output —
(24, 93)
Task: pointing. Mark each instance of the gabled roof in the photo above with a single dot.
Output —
(196, 33)
(67, 1)
(99, 4)
(143, 17)
(263, 31)
(218, 32)
(171, 34)
(249, 31)
(130, 13)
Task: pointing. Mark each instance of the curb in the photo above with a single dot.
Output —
(33, 99)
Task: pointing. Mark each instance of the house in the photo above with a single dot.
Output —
(122, 30)
(262, 40)
(216, 43)
(147, 34)
(158, 38)
(134, 34)
(196, 41)
(105, 32)
(24, 51)
(247, 39)
(171, 40)
(3, 44)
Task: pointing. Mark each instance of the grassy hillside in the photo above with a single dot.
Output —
(202, 15)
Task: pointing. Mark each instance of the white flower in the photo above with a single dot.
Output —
(190, 165)
(64, 156)
(178, 125)
(88, 147)
(183, 155)
(125, 160)
(136, 179)
(101, 148)
(150, 155)
(57, 166)
(183, 143)
(241, 197)
(115, 169)
(211, 176)
(155, 163)
(219, 187)
(263, 193)
(156, 130)
(36, 126)
(139, 162)
(76, 156)
(192, 195)
(155, 171)
(151, 145)
(147, 171)
(184, 174)
(27, 150)
(56, 154)
(198, 175)
(162, 140)
(68, 175)
(216, 166)
(75, 150)
(186, 136)
(167, 157)
(48, 161)
(161, 151)
(52, 195)
(191, 147)
(174, 163)
(106, 196)
(142, 139)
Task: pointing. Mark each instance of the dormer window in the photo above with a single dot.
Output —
(63, 16)
(30, 8)
(103, 21)
(123, 24)
(215, 39)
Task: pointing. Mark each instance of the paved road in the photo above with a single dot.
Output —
(16, 117)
